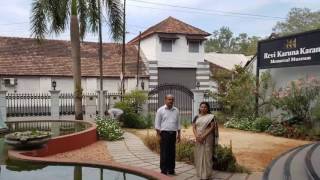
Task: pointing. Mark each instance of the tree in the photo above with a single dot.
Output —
(223, 41)
(81, 14)
(298, 20)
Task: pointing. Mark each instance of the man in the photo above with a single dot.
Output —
(167, 125)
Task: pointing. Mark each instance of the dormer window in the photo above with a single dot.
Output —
(167, 41)
(194, 43)
(194, 46)
(166, 45)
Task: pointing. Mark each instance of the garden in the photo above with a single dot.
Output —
(292, 111)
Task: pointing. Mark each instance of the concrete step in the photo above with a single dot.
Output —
(312, 161)
(295, 167)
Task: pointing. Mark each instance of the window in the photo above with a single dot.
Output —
(194, 46)
(166, 45)
(8, 82)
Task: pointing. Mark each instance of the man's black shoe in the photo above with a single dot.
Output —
(163, 172)
(171, 172)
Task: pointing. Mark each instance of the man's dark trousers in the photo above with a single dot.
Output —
(167, 151)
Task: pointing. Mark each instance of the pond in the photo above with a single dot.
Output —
(18, 170)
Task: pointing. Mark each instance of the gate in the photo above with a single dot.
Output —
(183, 98)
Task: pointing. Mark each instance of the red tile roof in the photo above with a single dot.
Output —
(24, 56)
(171, 26)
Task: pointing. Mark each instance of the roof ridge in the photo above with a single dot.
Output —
(157, 28)
(55, 40)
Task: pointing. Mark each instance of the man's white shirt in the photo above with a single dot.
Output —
(167, 119)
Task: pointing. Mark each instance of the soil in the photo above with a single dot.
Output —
(96, 152)
(252, 150)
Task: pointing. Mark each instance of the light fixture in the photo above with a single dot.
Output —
(198, 84)
(54, 84)
(142, 85)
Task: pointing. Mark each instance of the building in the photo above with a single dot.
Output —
(220, 62)
(175, 49)
(26, 66)
(169, 49)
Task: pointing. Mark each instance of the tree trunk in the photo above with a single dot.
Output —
(76, 68)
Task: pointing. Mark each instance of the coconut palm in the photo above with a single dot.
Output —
(83, 15)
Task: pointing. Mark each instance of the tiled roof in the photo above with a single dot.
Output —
(24, 56)
(227, 61)
(171, 26)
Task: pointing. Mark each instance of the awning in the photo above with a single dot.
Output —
(195, 38)
(172, 37)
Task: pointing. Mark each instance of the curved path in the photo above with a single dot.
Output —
(132, 151)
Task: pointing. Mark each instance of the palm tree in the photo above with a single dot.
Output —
(83, 15)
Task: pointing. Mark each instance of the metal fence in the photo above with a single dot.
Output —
(214, 105)
(37, 104)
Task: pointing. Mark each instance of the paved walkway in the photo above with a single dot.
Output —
(132, 151)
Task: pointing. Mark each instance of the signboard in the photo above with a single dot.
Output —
(296, 50)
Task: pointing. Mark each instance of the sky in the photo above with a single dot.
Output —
(254, 17)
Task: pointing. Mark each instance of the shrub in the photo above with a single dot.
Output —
(221, 117)
(152, 142)
(242, 123)
(109, 129)
(296, 99)
(148, 120)
(129, 118)
(185, 150)
(226, 161)
(261, 124)
(185, 123)
(131, 106)
(276, 129)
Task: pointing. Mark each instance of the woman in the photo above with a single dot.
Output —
(205, 131)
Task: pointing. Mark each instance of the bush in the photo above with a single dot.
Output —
(185, 150)
(226, 161)
(261, 124)
(152, 142)
(297, 98)
(276, 129)
(221, 117)
(242, 123)
(185, 123)
(131, 106)
(109, 129)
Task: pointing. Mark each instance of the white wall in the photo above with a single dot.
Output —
(33, 84)
(26, 85)
(179, 57)
(283, 76)
(148, 47)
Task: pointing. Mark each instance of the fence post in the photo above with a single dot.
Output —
(145, 109)
(90, 106)
(3, 108)
(102, 101)
(198, 96)
(55, 114)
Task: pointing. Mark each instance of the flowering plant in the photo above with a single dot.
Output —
(109, 129)
(297, 98)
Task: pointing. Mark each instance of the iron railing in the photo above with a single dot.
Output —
(37, 104)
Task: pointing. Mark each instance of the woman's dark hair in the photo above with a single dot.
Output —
(207, 104)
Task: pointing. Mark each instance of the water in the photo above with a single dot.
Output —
(18, 170)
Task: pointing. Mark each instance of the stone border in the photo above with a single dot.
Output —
(66, 143)
(18, 155)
